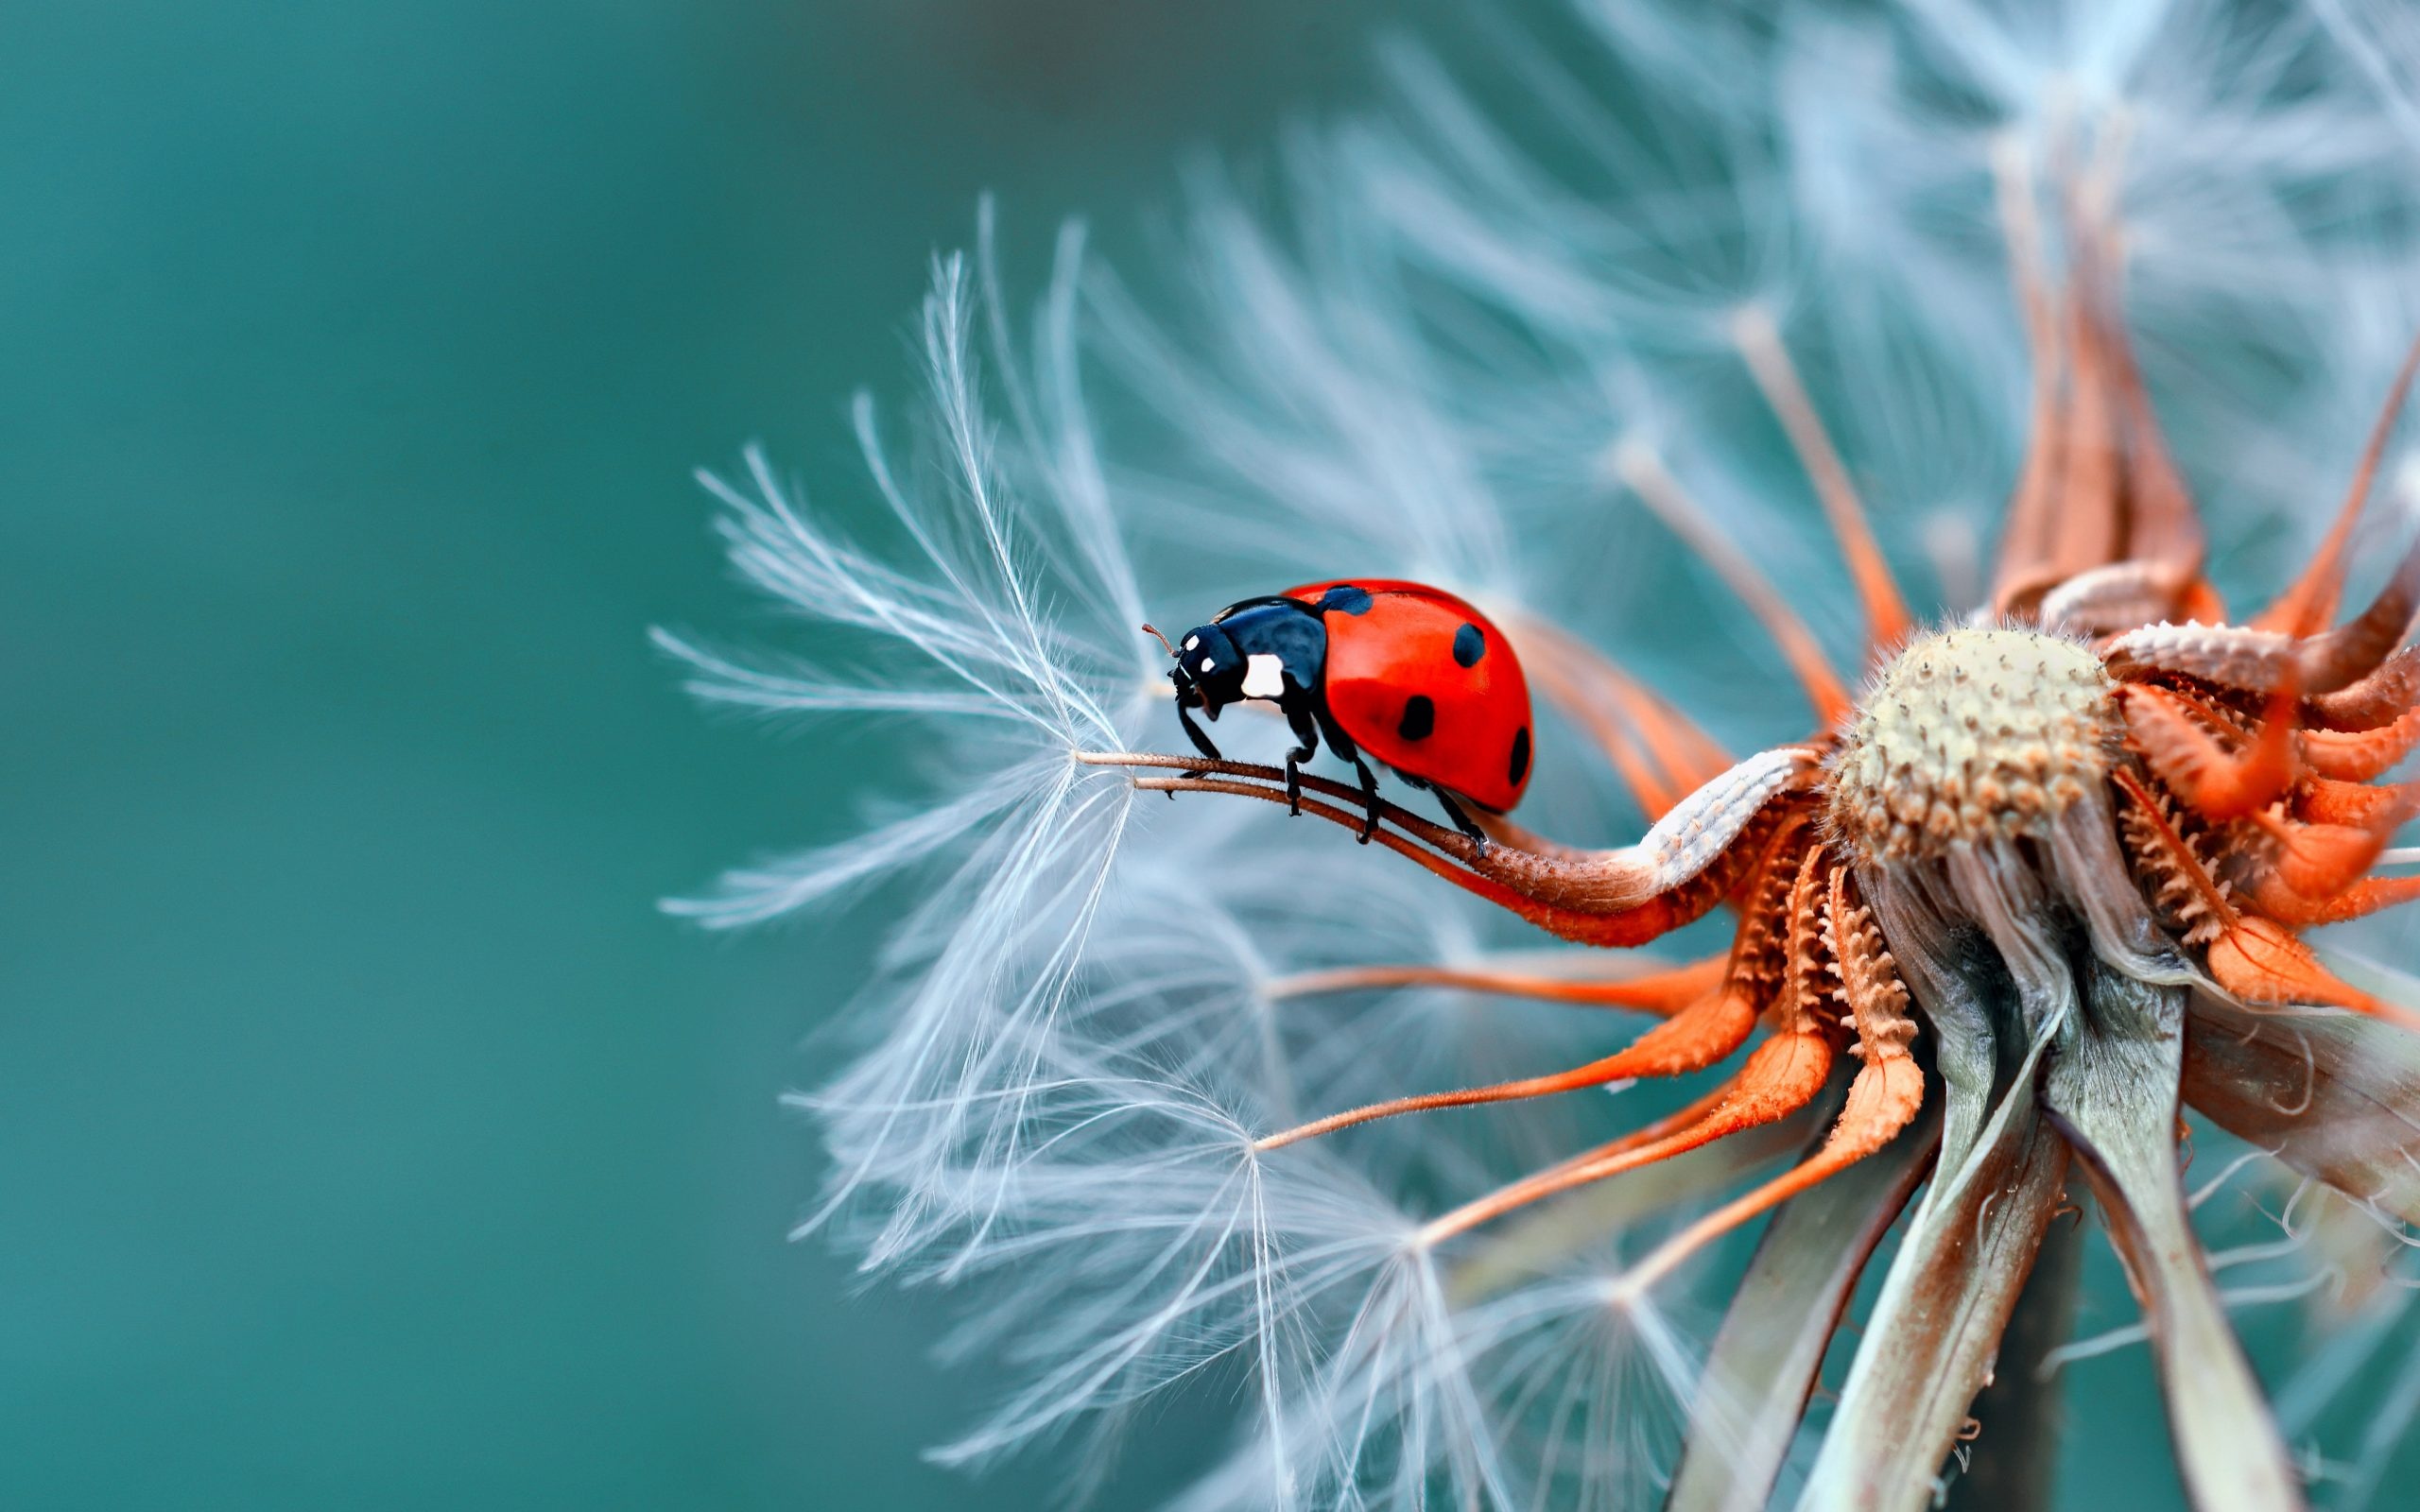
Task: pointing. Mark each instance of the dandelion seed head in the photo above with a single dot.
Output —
(1972, 736)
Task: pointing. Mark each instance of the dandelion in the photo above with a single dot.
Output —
(1204, 1096)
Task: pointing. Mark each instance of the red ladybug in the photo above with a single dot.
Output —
(1408, 673)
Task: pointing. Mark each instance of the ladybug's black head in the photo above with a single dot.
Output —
(1210, 670)
(1271, 649)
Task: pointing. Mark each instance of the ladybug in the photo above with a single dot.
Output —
(1408, 673)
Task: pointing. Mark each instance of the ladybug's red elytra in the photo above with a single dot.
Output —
(1408, 673)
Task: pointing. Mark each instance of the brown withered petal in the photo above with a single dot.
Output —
(1765, 1359)
(2334, 1095)
(2112, 1092)
(2014, 1460)
(1935, 1330)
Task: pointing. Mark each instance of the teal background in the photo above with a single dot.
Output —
(367, 1138)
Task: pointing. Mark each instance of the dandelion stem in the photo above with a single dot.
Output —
(1684, 865)
(1767, 357)
(1696, 1038)
(1664, 993)
(2012, 1463)
(1782, 1076)
(2310, 602)
(1644, 474)
(1457, 845)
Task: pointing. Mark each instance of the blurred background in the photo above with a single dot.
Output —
(369, 1139)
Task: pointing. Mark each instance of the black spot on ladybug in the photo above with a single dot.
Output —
(1345, 598)
(1470, 644)
(1419, 718)
(1521, 766)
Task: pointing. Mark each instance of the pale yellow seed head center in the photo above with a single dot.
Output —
(1970, 736)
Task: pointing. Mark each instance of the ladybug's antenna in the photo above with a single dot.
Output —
(1153, 632)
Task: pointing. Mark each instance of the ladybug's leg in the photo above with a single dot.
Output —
(1369, 799)
(1307, 744)
(1461, 820)
(1340, 743)
(1202, 741)
(1372, 802)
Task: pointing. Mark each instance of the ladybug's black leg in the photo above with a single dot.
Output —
(1307, 744)
(1369, 797)
(1201, 741)
(1461, 820)
(1340, 743)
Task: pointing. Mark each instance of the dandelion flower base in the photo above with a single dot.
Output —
(1970, 736)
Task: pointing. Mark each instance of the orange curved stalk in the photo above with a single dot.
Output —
(2326, 801)
(2352, 651)
(1660, 992)
(1887, 621)
(1647, 1133)
(2382, 697)
(1883, 1099)
(1598, 898)
(1644, 474)
(2259, 961)
(1650, 920)
(2310, 601)
(1883, 1102)
(1781, 1076)
(2321, 860)
(2215, 782)
(1691, 1040)
(2356, 756)
(2362, 899)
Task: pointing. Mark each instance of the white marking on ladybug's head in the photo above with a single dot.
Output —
(1209, 663)
(1263, 677)
(1193, 642)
